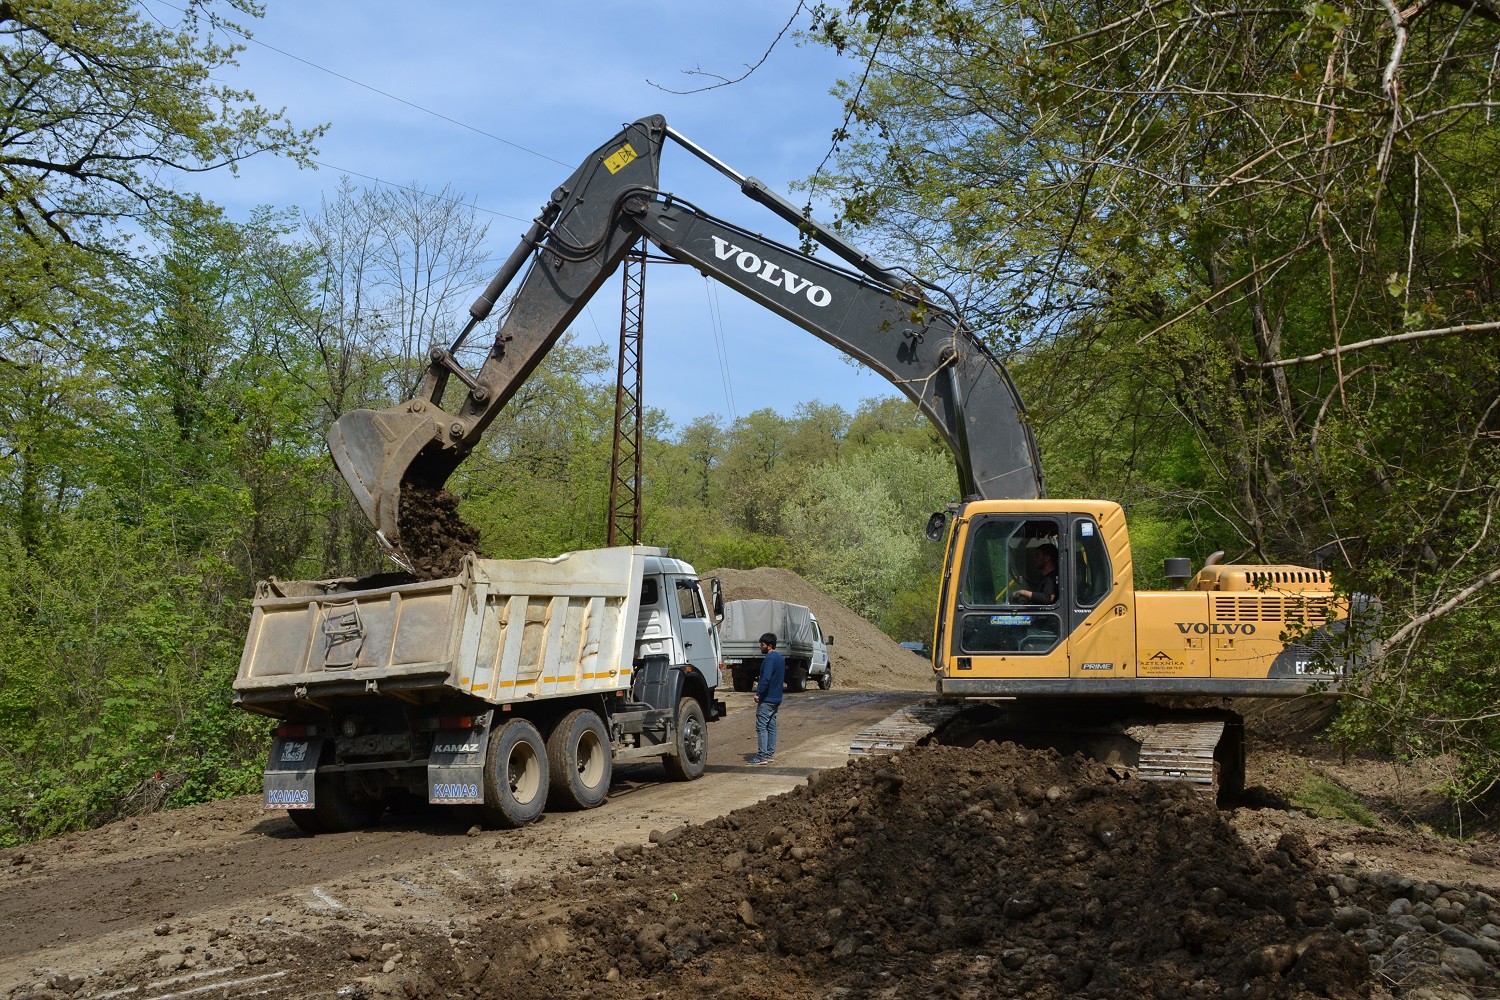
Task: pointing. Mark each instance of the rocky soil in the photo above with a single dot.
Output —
(991, 871)
(862, 655)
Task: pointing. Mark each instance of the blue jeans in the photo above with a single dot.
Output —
(765, 728)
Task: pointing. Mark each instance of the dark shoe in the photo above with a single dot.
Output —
(763, 760)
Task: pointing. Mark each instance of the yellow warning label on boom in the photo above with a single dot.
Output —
(620, 158)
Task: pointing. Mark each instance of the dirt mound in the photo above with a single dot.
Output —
(434, 538)
(863, 656)
(990, 871)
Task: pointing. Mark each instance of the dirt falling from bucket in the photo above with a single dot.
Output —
(434, 537)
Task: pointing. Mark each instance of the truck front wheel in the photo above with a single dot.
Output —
(691, 754)
(515, 775)
(581, 761)
(825, 679)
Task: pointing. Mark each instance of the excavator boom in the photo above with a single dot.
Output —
(579, 240)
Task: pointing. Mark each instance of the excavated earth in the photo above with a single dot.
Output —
(991, 871)
(434, 538)
(941, 872)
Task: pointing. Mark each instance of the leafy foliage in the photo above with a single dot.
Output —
(1243, 260)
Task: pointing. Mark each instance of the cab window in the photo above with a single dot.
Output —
(649, 592)
(1092, 577)
(689, 601)
(1012, 571)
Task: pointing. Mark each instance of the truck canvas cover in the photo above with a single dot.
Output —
(746, 621)
(502, 630)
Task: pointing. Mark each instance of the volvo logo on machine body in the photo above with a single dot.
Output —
(771, 272)
(1217, 628)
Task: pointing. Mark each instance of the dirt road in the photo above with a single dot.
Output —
(201, 901)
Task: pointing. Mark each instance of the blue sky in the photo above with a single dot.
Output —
(559, 78)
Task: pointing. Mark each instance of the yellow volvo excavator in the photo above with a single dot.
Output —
(1038, 617)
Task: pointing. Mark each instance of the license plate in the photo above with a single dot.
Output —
(734, 663)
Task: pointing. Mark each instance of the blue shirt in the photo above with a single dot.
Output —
(772, 677)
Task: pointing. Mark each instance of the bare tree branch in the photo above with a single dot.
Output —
(1395, 338)
(725, 81)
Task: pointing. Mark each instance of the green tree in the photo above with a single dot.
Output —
(102, 112)
(858, 525)
(1251, 254)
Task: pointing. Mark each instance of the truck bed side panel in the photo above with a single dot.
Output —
(503, 630)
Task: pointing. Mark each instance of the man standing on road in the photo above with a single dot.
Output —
(768, 698)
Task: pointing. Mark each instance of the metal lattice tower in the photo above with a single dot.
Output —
(625, 463)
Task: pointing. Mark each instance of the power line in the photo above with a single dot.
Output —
(374, 90)
(721, 348)
(419, 191)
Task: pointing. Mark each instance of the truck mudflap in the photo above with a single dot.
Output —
(720, 710)
(455, 769)
(290, 771)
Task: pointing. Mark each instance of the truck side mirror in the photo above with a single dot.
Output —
(718, 599)
(828, 640)
(935, 525)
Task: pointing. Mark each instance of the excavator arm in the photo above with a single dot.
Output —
(580, 238)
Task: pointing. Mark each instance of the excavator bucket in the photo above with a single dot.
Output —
(377, 451)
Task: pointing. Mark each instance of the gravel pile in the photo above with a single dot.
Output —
(862, 655)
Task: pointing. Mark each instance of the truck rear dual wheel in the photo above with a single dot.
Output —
(580, 760)
(742, 680)
(796, 678)
(689, 758)
(515, 775)
(340, 804)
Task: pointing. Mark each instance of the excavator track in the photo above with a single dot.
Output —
(904, 728)
(1203, 747)
(1179, 751)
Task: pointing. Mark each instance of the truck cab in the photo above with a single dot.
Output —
(820, 667)
(675, 619)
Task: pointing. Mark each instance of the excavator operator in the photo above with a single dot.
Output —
(1044, 570)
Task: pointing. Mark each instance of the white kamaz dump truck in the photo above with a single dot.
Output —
(515, 684)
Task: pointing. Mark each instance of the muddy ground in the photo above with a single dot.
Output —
(989, 871)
